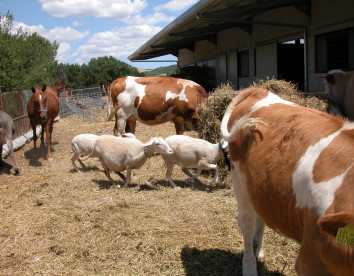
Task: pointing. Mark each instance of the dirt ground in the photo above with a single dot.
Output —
(55, 221)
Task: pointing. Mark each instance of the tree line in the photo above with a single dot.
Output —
(28, 59)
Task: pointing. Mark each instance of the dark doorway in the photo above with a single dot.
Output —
(291, 62)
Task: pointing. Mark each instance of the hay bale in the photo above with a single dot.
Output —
(212, 110)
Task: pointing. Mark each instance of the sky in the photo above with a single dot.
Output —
(86, 29)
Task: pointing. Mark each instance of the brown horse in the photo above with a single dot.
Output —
(43, 107)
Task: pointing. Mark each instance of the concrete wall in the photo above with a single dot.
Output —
(326, 16)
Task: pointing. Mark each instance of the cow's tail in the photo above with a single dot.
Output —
(109, 100)
(245, 123)
(114, 111)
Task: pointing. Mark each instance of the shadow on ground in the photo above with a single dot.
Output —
(217, 263)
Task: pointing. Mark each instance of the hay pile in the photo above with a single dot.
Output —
(212, 110)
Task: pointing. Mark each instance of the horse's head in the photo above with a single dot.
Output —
(40, 102)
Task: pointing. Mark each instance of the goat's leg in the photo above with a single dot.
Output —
(187, 172)
(128, 177)
(106, 172)
(82, 155)
(11, 152)
(198, 173)
(169, 166)
(73, 159)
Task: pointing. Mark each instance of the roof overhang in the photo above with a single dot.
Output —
(205, 19)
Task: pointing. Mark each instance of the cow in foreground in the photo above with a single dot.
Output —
(153, 101)
(292, 169)
(340, 88)
(43, 107)
(7, 130)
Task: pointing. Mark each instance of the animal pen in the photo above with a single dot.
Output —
(86, 103)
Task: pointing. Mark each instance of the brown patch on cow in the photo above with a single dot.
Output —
(117, 86)
(325, 169)
(136, 102)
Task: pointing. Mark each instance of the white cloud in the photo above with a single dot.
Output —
(64, 52)
(112, 9)
(79, 23)
(119, 42)
(175, 5)
(150, 19)
(60, 34)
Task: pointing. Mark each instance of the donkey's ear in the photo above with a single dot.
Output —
(44, 87)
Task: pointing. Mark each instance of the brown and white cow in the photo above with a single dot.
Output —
(340, 88)
(154, 100)
(292, 169)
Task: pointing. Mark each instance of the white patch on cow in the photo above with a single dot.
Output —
(132, 90)
(267, 101)
(308, 193)
(186, 83)
(170, 95)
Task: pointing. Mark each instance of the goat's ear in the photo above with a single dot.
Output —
(149, 143)
(330, 78)
(33, 90)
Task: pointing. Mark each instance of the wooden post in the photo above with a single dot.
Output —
(22, 102)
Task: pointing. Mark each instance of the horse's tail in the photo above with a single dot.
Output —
(62, 80)
(114, 111)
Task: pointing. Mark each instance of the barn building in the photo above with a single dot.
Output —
(244, 40)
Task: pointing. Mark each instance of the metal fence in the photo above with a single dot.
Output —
(86, 103)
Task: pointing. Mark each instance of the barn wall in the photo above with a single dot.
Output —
(185, 57)
(326, 16)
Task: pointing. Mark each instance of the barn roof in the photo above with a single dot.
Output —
(205, 19)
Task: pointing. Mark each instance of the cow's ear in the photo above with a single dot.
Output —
(33, 90)
(330, 79)
(330, 223)
(44, 87)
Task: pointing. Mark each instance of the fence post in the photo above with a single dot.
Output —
(22, 102)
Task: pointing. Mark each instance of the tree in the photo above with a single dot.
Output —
(26, 59)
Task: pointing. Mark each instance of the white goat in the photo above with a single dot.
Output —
(118, 153)
(194, 153)
(7, 130)
(82, 144)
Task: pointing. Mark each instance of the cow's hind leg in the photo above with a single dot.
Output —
(130, 125)
(246, 220)
(258, 237)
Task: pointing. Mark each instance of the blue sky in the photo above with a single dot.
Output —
(88, 29)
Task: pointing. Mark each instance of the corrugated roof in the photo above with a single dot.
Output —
(203, 20)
